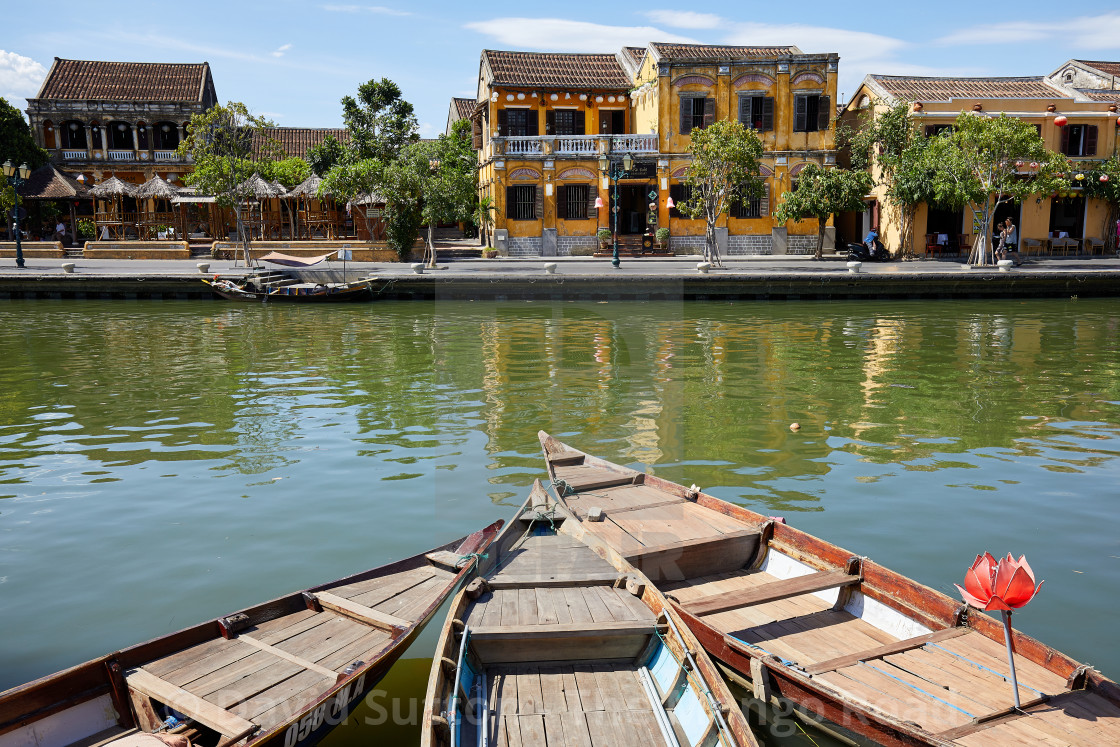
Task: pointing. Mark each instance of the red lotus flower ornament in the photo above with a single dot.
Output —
(1007, 584)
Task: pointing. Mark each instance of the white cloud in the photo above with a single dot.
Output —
(20, 78)
(378, 9)
(1091, 32)
(428, 130)
(279, 51)
(562, 35)
(685, 19)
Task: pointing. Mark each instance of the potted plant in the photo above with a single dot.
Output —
(662, 236)
(604, 237)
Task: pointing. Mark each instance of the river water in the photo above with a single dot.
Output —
(165, 463)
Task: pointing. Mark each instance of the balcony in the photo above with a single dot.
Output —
(165, 155)
(589, 146)
(121, 156)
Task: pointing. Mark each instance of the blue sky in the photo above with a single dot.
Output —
(292, 60)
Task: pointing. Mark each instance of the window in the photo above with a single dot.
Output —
(521, 202)
(572, 201)
(517, 122)
(811, 112)
(680, 193)
(697, 112)
(936, 129)
(757, 112)
(612, 122)
(1079, 140)
(756, 207)
(564, 122)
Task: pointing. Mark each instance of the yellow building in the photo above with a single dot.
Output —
(1079, 122)
(550, 122)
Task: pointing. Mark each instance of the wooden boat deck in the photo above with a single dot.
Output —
(264, 674)
(952, 683)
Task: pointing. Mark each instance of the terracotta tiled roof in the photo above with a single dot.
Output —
(912, 88)
(637, 54)
(1101, 94)
(717, 51)
(125, 81)
(556, 70)
(463, 107)
(48, 183)
(1108, 68)
(295, 141)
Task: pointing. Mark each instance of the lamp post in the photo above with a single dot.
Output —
(17, 177)
(615, 170)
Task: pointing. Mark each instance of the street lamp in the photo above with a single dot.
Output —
(615, 170)
(17, 177)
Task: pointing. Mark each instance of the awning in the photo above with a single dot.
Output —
(288, 260)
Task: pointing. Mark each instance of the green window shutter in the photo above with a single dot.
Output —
(1090, 140)
(824, 112)
(592, 211)
(800, 113)
(745, 110)
(561, 201)
(538, 203)
(580, 120)
(532, 123)
(767, 113)
(686, 115)
(509, 201)
(1065, 140)
(709, 111)
(503, 122)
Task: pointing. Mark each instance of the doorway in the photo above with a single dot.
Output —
(633, 206)
(1067, 217)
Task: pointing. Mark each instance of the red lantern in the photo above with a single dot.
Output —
(1060, 120)
(1118, 121)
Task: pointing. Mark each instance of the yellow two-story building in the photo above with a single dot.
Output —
(553, 130)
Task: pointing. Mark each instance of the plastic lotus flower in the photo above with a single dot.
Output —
(1006, 584)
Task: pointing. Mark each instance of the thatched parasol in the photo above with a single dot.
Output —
(257, 187)
(309, 187)
(112, 187)
(156, 188)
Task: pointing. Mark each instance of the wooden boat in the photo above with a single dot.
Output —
(836, 635)
(561, 642)
(248, 290)
(284, 672)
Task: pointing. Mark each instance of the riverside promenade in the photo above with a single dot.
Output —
(582, 278)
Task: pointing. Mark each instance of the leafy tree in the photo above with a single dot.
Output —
(483, 217)
(894, 151)
(988, 161)
(290, 172)
(326, 155)
(447, 171)
(724, 169)
(822, 192)
(380, 122)
(220, 140)
(18, 146)
(361, 180)
(1103, 182)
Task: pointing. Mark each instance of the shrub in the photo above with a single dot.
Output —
(603, 235)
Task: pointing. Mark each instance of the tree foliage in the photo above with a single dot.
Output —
(448, 175)
(379, 121)
(985, 162)
(724, 169)
(18, 146)
(326, 155)
(356, 181)
(821, 193)
(290, 172)
(1102, 181)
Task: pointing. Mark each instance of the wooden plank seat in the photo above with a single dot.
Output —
(559, 578)
(885, 650)
(695, 557)
(602, 641)
(229, 725)
(349, 608)
(771, 592)
(580, 477)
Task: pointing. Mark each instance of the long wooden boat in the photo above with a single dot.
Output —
(833, 634)
(284, 672)
(561, 642)
(358, 290)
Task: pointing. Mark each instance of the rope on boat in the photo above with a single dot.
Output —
(756, 647)
(978, 665)
(563, 488)
(915, 687)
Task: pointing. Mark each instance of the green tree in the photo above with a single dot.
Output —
(288, 172)
(447, 170)
(380, 122)
(326, 155)
(220, 141)
(18, 146)
(724, 169)
(988, 161)
(891, 147)
(1103, 182)
(363, 180)
(821, 193)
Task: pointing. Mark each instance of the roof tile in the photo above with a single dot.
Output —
(1108, 68)
(296, 141)
(914, 88)
(717, 51)
(125, 81)
(556, 70)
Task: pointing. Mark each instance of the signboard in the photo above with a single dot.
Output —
(374, 212)
(346, 255)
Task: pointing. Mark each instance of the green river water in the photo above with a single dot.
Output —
(165, 463)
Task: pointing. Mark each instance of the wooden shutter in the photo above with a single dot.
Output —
(709, 111)
(503, 122)
(561, 201)
(1065, 141)
(592, 211)
(745, 110)
(686, 115)
(538, 202)
(767, 113)
(550, 122)
(764, 203)
(532, 123)
(509, 202)
(824, 112)
(1090, 140)
(579, 123)
(800, 113)
(476, 133)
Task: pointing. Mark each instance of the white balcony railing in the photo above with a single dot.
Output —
(524, 146)
(121, 155)
(73, 155)
(165, 155)
(634, 143)
(577, 144)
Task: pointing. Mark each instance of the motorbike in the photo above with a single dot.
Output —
(861, 252)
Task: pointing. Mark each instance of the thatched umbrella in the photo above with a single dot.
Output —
(260, 189)
(306, 191)
(112, 190)
(154, 189)
(48, 184)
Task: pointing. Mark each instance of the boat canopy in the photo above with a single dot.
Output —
(288, 260)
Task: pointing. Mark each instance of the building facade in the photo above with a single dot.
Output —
(548, 122)
(1075, 111)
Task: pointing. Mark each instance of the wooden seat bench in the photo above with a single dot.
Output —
(702, 556)
(505, 644)
(887, 649)
(348, 608)
(229, 725)
(771, 592)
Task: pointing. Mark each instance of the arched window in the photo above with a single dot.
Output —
(73, 135)
(120, 136)
(166, 135)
